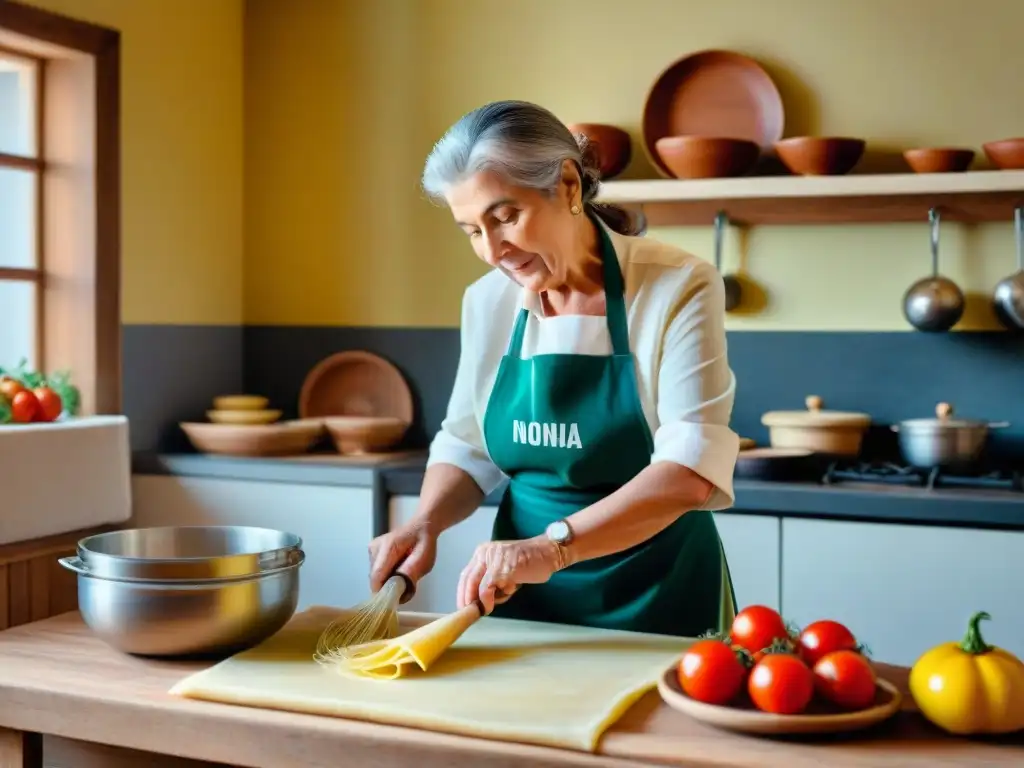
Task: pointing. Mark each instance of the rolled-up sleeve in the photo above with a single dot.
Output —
(460, 440)
(696, 388)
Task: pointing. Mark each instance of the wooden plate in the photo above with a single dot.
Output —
(356, 383)
(745, 718)
(712, 93)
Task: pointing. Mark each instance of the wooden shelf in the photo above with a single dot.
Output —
(975, 196)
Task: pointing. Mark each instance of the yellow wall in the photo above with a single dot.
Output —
(344, 99)
(182, 135)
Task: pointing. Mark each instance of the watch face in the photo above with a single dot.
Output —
(558, 531)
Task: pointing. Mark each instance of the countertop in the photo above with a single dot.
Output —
(57, 678)
(864, 502)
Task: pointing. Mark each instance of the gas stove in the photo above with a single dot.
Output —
(898, 474)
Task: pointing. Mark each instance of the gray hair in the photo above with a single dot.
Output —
(527, 145)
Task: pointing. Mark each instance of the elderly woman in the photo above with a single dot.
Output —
(593, 375)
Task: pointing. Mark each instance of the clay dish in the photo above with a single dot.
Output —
(356, 383)
(712, 93)
(1006, 154)
(939, 159)
(820, 155)
(612, 145)
(705, 157)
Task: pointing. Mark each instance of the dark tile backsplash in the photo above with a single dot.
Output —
(171, 372)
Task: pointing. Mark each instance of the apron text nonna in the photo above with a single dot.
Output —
(548, 434)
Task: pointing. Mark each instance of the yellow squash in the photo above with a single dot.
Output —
(970, 687)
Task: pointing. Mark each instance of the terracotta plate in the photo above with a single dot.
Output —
(745, 718)
(712, 93)
(356, 384)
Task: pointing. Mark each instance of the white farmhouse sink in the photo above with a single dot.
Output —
(62, 477)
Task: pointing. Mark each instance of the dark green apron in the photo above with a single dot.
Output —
(569, 430)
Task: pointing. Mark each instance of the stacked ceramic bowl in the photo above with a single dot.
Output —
(243, 425)
(242, 409)
(187, 590)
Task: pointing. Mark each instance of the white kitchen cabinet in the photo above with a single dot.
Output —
(335, 523)
(64, 476)
(436, 593)
(903, 589)
(751, 544)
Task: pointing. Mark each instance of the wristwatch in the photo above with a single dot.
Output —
(560, 534)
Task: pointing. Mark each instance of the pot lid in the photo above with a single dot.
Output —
(814, 416)
(943, 418)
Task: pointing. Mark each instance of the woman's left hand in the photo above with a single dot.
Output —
(497, 568)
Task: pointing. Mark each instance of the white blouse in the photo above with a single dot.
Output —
(675, 306)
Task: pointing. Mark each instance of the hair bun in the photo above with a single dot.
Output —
(589, 154)
(590, 166)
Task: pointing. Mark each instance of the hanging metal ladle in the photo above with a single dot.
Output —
(1008, 298)
(732, 283)
(935, 303)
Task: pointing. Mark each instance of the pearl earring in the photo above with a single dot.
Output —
(575, 210)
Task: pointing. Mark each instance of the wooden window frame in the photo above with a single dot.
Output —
(78, 197)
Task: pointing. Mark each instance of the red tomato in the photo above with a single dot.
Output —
(50, 405)
(781, 683)
(710, 671)
(823, 637)
(845, 678)
(755, 627)
(24, 407)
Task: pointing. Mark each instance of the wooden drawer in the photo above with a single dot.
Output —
(33, 585)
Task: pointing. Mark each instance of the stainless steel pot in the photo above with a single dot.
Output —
(189, 552)
(943, 441)
(178, 618)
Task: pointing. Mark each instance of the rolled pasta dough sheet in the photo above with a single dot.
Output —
(399, 656)
(503, 679)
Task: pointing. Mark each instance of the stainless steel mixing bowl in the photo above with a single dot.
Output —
(249, 597)
(188, 552)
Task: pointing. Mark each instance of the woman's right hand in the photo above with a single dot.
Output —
(411, 548)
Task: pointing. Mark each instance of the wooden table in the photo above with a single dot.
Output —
(57, 679)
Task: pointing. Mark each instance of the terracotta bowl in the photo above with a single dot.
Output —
(939, 159)
(706, 157)
(286, 438)
(613, 146)
(820, 155)
(365, 434)
(1006, 154)
(356, 383)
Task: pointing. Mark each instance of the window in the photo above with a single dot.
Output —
(60, 200)
(21, 265)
